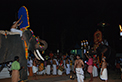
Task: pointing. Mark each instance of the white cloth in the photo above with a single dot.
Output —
(59, 72)
(80, 74)
(56, 61)
(68, 69)
(9, 66)
(30, 63)
(35, 69)
(95, 72)
(104, 75)
(41, 72)
(48, 69)
(54, 70)
(16, 30)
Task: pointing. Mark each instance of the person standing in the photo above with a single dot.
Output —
(30, 64)
(48, 67)
(90, 67)
(95, 70)
(60, 67)
(67, 66)
(78, 66)
(15, 67)
(51, 54)
(103, 72)
(35, 68)
(54, 67)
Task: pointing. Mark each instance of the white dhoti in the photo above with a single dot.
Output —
(35, 69)
(59, 72)
(48, 69)
(41, 72)
(16, 30)
(54, 69)
(68, 69)
(104, 75)
(80, 74)
(95, 72)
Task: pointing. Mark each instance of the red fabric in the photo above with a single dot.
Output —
(30, 71)
(51, 55)
(90, 61)
(95, 65)
(90, 68)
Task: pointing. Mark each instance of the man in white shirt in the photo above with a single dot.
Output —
(30, 64)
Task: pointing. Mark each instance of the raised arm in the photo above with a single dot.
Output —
(15, 24)
(86, 55)
(19, 19)
(20, 23)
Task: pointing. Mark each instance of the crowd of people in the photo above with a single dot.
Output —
(67, 64)
(63, 64)
(53, 65)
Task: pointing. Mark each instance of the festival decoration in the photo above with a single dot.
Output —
(97, 40)
(26, 50)
(6, 34)
(97, 36)
(36, 39)
(23, 11)
(103, 24)
(120, 27)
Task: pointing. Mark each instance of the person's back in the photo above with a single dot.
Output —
(15, 67)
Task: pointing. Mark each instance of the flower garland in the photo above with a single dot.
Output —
(26, 50)
(36, 39)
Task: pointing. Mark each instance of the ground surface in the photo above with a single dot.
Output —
(113, 77)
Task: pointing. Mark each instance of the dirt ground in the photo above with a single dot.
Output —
(112, 77)
(60, 79)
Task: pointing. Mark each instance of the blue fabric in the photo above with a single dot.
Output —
(22, 11)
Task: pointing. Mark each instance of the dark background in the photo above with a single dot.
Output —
(64, 23)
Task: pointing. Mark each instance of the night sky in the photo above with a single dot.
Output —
(67, 22)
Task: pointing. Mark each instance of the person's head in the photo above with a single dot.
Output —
(78, 56)
(104, 58)
(16, 58)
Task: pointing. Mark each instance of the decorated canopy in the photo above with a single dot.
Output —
(25, 17)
